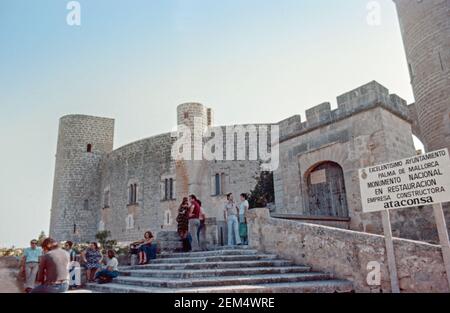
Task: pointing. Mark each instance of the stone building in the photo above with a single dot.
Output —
(139, 186)
(317, 180)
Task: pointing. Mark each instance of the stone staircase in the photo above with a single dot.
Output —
(223, 270)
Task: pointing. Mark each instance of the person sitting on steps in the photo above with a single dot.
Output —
(147, 249)
(111, 271)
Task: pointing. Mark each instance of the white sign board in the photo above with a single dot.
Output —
(415, 181)
(318, 177)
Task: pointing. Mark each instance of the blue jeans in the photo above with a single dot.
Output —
(233, 231)
(149, 250)
(59, 288)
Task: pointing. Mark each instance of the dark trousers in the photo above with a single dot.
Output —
(107, 274)
(150, 251)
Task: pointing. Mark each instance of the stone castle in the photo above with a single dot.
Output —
(139, 186)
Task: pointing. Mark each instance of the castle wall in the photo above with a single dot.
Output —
(148, 163)
(144, 163)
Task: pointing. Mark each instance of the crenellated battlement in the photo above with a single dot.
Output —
(360, 99)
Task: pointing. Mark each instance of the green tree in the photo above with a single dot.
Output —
(264, 192)
(41, 238)
(105, 243)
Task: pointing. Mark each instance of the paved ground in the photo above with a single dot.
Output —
(8, 280)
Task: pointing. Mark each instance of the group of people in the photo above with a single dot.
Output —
(50, 266)
(236, 218)
(191, 221)
(191, 224)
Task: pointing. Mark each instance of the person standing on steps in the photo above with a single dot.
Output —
(183, 224)
(243, 209)
(53, 269)
(201, 232)
(30, 264)
(194, 221)
(231, 218)
(74, 265)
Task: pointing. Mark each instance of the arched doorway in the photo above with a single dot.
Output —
(326, 190)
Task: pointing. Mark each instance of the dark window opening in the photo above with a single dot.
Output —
(186, 115)
(74, 228)
(440, 60)
(89, 148)
(411, 72)
(106, 199)
(166, 189)
(133, 194)
(218, 189)
(86, 204)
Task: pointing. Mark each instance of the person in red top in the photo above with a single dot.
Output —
(194, 221)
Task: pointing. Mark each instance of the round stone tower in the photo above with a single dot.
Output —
(192, 177)
(188, 113)
(83, 142)
(425, 26)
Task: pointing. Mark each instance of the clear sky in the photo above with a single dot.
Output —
(136, 60)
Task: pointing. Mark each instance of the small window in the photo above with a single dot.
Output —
(166, 189)
(218, 185)
(86, 204)
(133, 194)
(89, 148)
(168, 218)
(74, 228)
(440, 61)
(129, 222)
(106, 199)
(101, 226)
(411, 72)
(186, 115)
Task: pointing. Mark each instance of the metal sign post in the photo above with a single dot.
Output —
(390, 251)
(443, 237)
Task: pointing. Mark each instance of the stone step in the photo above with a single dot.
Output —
(325, 286)
(215, 258)
(221, 281)
(208, 253)
(242, 247)
(209, 265)
(168, 235)
(186, 274)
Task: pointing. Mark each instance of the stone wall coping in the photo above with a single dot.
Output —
(336, 116)
(309, 217)
(265, 213)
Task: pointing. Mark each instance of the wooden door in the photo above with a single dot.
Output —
(326, 191)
